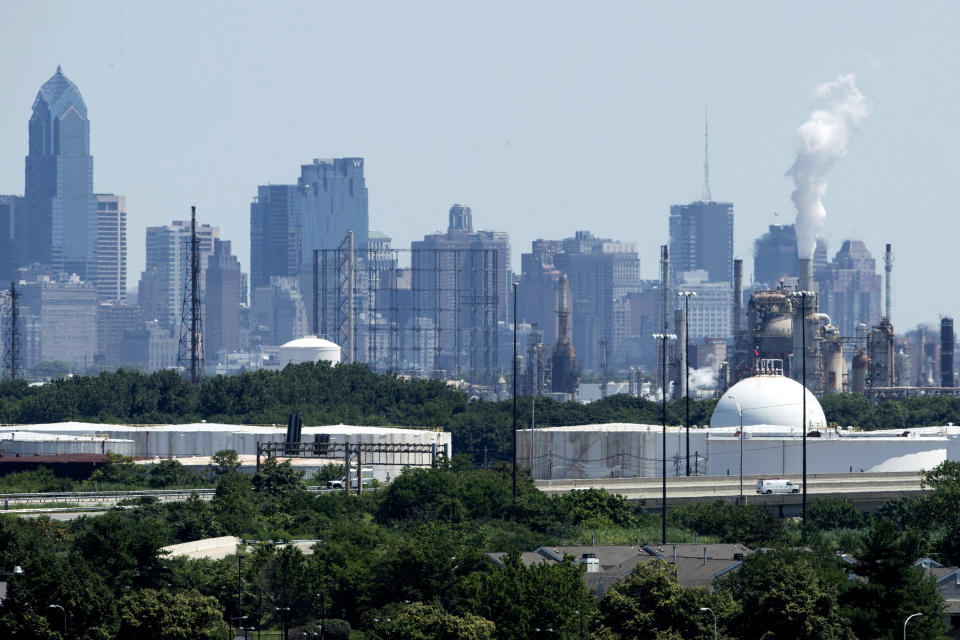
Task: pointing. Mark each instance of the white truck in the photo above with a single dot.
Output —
(341, 482)
(776, 485)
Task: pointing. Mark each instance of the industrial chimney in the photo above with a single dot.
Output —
(805, 274)
(737, 297)
(888, 267)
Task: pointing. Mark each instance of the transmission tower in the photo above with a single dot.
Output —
(11, 343)
(190, 353)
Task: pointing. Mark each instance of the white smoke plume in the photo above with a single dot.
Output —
(840, 107)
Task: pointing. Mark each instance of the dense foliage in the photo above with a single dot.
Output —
(407, 562)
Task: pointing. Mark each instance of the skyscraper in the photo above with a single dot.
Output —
(165, 279)
(109, 274)
(8, 208)
(60, 225)
(460, 282)
(701, 237)
(287, 222)
(224, 286)
(851, 291)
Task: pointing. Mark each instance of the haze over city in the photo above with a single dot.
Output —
(545, 118)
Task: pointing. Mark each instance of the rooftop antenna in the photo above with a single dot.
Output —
(706, 197)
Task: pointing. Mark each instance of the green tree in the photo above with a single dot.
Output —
(520, 598)
(751, 525)
(120, 470)
(235, 504)
(650, 603)
(172, 473)
(223, 461)
(120, 548)
(162, 615)
(283, 577)
(275, 479)
(836, 513)
(892, 587)
(418, 621)
(785, 594)
(68, 581)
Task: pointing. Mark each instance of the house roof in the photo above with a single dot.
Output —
(697, 564)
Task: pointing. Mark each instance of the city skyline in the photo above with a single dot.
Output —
(587, 91)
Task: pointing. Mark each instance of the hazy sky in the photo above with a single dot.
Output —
(545, 117)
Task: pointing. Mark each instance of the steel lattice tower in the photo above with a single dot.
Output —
(190, 352)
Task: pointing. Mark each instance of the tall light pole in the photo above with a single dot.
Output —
(714, 620)
(914, 615)
(803, 358)
(64, 611)
(515, 492)
(686, 357)
(663, 511)
(740, 411)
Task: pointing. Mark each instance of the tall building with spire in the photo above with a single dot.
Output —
(59, 226)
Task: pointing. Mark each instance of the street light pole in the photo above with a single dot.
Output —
(515, 491)
(914, 615)
(663, 390)
(714, 620)
(64, 611)
(740, 411)
(686, 357)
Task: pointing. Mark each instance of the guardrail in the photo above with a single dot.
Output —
(112, 497)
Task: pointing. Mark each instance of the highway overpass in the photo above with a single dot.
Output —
(865, 490)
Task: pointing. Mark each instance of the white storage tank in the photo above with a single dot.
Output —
(308, 349)
(22, 443)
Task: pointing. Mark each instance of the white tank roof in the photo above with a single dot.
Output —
(310, 342)
(767, 400)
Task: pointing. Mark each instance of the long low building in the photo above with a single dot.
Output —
(636, 450)
(187, 441)
(756, 423)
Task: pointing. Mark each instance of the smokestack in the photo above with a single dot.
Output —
(737, 297)
(946, 352)
(888, 267)
(805, 274)
(563, 314)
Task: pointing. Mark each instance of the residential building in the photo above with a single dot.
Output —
(164, 282)
(60, 322)
(114, 321)
(109, 273)
(60, 227)
(461, 289)
(696, 565)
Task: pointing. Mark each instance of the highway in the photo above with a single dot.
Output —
(866, 490)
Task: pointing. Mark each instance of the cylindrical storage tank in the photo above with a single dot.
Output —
(309, 349)
(25, 445)
(861, 364)
(833, 367)
(946, 352)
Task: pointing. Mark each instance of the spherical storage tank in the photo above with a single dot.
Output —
(309, 349)
(767, 400)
